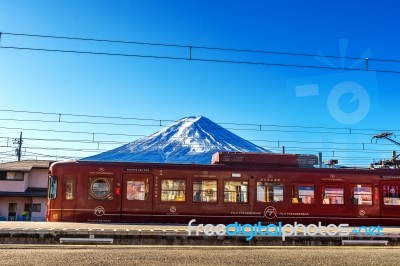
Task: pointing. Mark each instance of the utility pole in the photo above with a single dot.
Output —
(18, 150)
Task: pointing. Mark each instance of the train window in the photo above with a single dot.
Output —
(205, 191)
(137, 189)
(269, 192)
(100, 188)
(333, 195)
(361, 194)
(235, 191)
(69, 188)
(173, 190)
(52, 192)
(391, 195)
(303, 194)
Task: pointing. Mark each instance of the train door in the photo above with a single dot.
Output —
(364, 203)
(390, 202)
(137, 198)
(333, 201)
(68, 198)
(269, 198)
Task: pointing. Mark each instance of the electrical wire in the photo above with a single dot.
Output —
(59, 115)
(196, 47)
(200, 59)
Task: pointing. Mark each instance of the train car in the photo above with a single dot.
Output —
(236, 187)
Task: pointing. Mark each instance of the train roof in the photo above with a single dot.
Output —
(275, 159)
(239, 161)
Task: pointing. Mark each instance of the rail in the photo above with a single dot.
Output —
(83, 240)
(365, 242)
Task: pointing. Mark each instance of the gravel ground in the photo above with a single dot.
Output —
(189, 255)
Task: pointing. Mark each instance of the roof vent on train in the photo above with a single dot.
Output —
(272, 159)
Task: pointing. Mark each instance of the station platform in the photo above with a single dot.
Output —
(14, 232)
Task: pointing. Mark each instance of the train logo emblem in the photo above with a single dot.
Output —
(101, 169)
(172, 209)
(270, 212)
(361, 212)
(99, 211)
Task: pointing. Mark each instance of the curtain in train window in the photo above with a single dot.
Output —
(303, 194)
(391, 194)
(205, 191)
(173, 190)
(136, 189)
(269, 192)
(333, 195)
(235, 191)
(361, 194)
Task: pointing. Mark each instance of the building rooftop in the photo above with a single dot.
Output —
(25, 165)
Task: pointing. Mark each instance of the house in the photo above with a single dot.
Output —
(23, 190)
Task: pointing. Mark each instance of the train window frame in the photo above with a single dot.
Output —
(301, 198)
(356, 202)
(266, 193)
(69, 188)
(52, 187)
(204, 195)
(141, 191)
(108, 195)
(229, 199)
(391, 194)
(330, 198)
(173, 194)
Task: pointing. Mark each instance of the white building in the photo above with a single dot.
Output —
(23, 190)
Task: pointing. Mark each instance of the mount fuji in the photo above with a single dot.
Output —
(188, 140)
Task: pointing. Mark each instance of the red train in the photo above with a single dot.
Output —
(236, 187)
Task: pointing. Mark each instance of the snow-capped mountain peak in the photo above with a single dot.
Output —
(188, 140)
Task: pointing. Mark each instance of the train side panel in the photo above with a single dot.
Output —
(133, 192)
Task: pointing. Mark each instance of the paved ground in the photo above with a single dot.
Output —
(189, 255)
(180, 227)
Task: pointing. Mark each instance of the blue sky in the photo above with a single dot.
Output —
(314, 100)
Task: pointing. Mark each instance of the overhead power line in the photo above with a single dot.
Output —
(279, 143)
(190, 48)
(195, 47)
(59, 115)
(199, 59)
(257, 127)
(346, 132)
